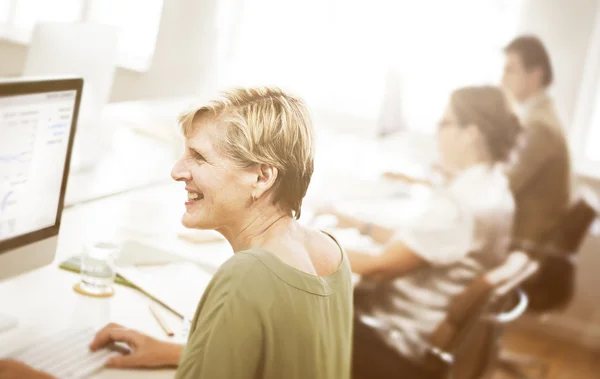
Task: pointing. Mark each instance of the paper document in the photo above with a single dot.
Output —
(177, 286)
(7, 322)
(136, 253)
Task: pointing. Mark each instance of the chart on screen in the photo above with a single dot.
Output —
(33, 128)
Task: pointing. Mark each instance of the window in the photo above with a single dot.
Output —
(585, 134)
(337, 53)
(27, 12)
(459, 44)
(137, 21)
(138, 29)
(4, 11)
(592, 150)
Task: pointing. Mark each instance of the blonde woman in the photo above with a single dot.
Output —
(281, 307)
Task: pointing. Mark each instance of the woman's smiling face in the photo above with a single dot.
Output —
(219, 190)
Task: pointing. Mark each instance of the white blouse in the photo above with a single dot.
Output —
(463, 231)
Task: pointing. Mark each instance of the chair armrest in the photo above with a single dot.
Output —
(442, 355)
(513, 314)
(512, 285)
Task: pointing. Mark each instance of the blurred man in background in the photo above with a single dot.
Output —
(540, 175)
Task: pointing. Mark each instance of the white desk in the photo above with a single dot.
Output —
(44, 301)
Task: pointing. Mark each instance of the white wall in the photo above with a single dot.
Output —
(184, 60)
(565, 27)
(184, 57)
(186, 47)
(12, 58)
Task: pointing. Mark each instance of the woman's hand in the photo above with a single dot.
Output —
(10, 369)
(398, 177)
(145, 351)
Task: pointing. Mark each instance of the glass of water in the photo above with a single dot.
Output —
(98, 267)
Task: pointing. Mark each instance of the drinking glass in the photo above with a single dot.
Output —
(98, 267)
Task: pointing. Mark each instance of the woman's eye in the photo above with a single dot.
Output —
(197, 156)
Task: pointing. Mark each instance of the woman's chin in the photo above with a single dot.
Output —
(194, 222)
(191, 222)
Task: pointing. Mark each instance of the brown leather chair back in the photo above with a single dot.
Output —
(464, 344)
(554, 286)
(575, 224)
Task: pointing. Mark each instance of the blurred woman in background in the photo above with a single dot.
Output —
(463, 231)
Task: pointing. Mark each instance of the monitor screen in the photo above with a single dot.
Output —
(35, 133)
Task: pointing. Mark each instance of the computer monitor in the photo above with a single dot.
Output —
(37, 127)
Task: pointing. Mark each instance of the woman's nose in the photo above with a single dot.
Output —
(180, 172)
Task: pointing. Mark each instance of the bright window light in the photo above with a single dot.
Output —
(137, 21)
(337, 54)
(28, 12)
(4, 11)
(592, 145)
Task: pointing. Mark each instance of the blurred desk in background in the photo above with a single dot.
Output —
(147, 141)
(134, 158)
(348, 165)
(155, 118)
(132, 161)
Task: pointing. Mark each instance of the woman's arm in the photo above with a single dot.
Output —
(439, 235)
(395, 259)
(436, 175)
(378, 233)
(10, 369)
(406, 178)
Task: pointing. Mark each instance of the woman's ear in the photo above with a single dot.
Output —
(472, 131)
(477, 143)
(265, 179)
(538, 75)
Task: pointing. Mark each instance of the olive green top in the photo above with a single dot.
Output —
(261, 318)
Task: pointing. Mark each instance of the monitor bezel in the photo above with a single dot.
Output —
(25, 86)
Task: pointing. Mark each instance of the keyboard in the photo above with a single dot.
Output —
(65, 355)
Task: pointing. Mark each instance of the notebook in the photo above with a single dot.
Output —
(133, 253)
(177, 286)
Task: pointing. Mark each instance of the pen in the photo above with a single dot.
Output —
(161, 321)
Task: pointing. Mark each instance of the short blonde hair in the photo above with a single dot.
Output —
(264, 126)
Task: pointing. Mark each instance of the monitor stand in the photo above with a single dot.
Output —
(7, 322)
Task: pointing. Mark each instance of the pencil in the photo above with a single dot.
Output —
(161, 321)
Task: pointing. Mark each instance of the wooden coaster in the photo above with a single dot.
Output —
(77, 288)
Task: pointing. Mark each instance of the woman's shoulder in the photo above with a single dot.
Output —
(243, 278)
(240, 271)
(482, 177)
(230, 284)
(486, 186)
(240, 265)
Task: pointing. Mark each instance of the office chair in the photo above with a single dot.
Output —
(465, 344)
(553, 287)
